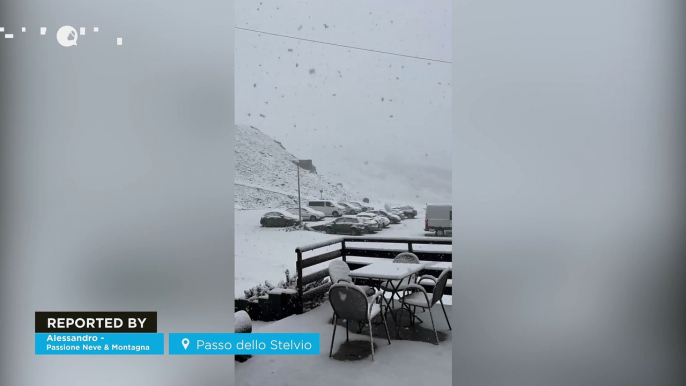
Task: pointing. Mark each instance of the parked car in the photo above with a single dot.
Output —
(399, 213)
(439, 218)
(394, 219)
(379, 219)
(409, 211)
(365, 207)
(328, 207)
(352, 225)
(358, 207)
(349, 209)
(307, 213)
(279, 218)
(372, 225)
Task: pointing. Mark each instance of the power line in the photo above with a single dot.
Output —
(341, 45)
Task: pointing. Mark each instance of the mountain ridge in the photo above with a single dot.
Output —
(266, 175)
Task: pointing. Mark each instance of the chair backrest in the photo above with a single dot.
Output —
(339, 270)
(406, 258)
(440, 286)
(348, 301)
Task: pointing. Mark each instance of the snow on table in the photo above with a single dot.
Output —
(387, 270)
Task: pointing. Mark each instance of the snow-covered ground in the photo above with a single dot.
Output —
(411, 361)
(265, 253)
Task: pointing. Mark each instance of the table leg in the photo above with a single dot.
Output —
(393, 292)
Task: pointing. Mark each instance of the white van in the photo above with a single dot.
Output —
(328, 207)
(439, 218)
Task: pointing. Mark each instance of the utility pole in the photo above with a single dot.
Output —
(300, 211)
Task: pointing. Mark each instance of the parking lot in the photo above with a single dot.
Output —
(265, 253)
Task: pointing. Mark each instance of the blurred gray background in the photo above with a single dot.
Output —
(568, 183)
(117, 181)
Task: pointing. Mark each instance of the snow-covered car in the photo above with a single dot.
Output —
(357, 207)
(351, 224)
(349, 209)
(330, 208)
(394, 219)
(279, 218)
(363, 207)
(379, 219)
(307, 213)
(408, 210)
(372, 225)
(399, 213)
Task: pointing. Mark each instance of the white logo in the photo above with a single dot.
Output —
(67, 36)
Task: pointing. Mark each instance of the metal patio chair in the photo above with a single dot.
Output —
(340, 272)
(349, 302)
(420, 298)
(396, 286)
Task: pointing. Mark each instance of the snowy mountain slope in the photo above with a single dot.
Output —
(379, 123)
(266, 176)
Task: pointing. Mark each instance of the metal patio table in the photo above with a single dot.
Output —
(390, 272)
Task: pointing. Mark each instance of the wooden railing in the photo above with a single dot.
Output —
(345, 251)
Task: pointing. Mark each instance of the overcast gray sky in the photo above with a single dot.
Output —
(379, 123)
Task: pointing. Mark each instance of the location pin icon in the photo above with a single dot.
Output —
(185, 342)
